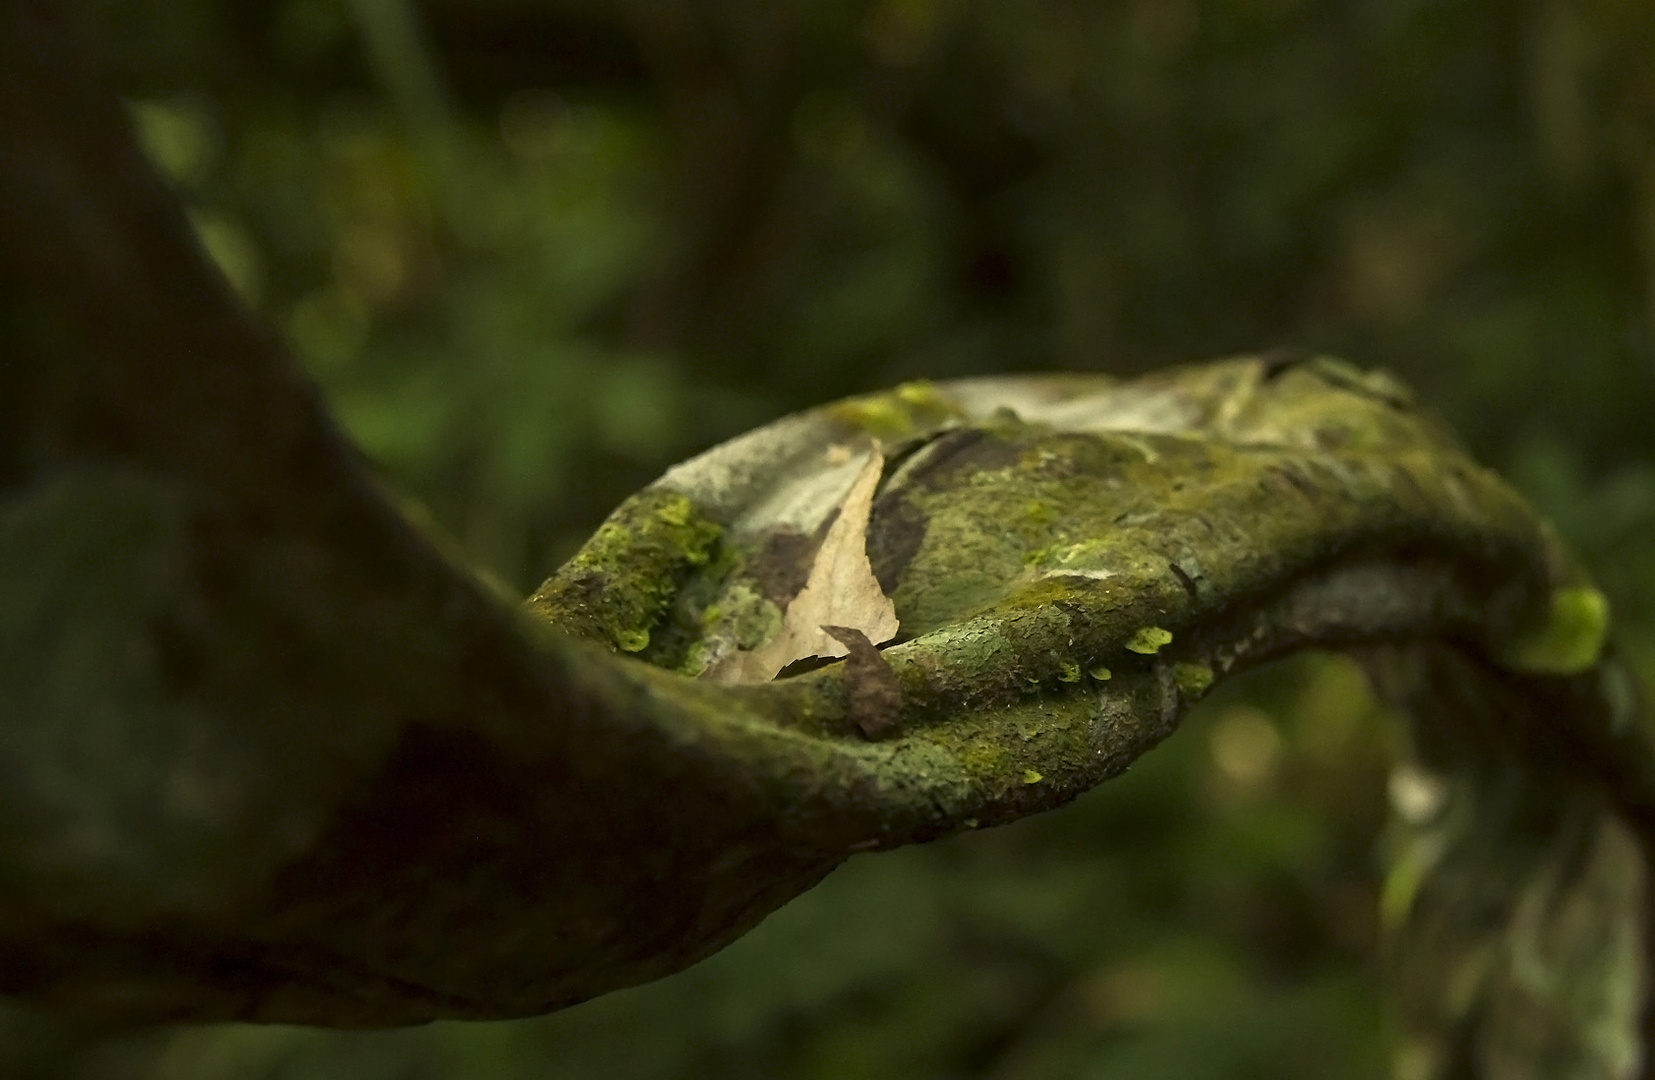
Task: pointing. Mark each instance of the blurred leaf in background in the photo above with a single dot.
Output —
(537, 250)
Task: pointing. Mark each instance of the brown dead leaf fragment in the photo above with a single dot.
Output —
(841, 590)
(875, 695)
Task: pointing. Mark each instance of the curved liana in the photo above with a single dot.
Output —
(271, 753)
(1074, 560)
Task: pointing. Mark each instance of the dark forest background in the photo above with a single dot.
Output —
(537, 250)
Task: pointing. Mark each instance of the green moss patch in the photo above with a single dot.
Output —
(1148, 640)
(618, 586)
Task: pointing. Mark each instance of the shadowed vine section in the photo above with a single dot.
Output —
(270, 754)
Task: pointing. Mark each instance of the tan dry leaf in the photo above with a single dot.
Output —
(840, 591)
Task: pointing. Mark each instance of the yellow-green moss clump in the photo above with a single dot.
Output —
(1148, 640)
(616, 587)
(898, 414)
(1567, 640)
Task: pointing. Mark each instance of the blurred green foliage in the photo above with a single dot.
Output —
(536, 250)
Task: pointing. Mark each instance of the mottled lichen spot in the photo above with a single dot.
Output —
(1192, 679)
(1068, 671)
(981, 759)
(632, 640)
(1148, 640)
(752, 620)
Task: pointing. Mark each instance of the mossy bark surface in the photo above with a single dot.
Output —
(270, 754)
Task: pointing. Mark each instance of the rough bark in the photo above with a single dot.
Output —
(269, 755)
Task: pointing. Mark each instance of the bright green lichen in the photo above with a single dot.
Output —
(632, 640)
(1568, 640)
(1031, 777)
(697, 659)
(675, 512)
(1148, 640)
(1101, 673)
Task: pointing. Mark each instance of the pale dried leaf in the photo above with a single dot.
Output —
(840, 591)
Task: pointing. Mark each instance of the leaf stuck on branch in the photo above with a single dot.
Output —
(841, 591)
